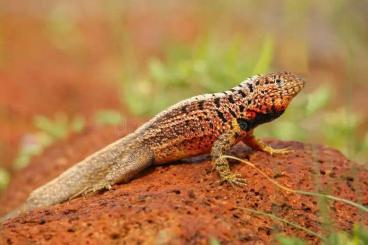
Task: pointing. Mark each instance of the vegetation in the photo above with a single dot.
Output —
(49, 130)
(359, 235)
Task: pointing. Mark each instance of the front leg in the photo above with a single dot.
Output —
(259, 145)
(219, 148)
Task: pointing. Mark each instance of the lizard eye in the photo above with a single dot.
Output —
(278, 80)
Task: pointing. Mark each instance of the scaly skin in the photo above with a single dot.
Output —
(202, 124)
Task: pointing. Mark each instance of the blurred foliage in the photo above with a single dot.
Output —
(286, 240)
(310, 119)
(214, 241)
(4, 178)
(213, 66)
(63, 32)
(210, 66)
(358, 236)
(341, 131)
(48, 131)
(108, 117)
(59, 126)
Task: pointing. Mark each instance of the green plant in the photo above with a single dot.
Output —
(59, 126)
(214, 241)
(48, 131)
(212, 65)
(286, 240)
(340, 131)
(4, 178)
(62, 30)
(108, 117)
(359, 235)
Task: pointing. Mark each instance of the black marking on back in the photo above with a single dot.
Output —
(217, 102)
(231, 99)
(250, 86)
(232, 112)
(221, 116)
(242, 93)
(184, 109)
(241, 108)
(201, 105)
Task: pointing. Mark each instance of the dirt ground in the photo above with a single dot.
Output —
(183, 202)
(38, 79)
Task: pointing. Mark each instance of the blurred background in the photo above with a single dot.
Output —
(67, 65)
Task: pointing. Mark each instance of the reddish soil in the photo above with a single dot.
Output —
(184, 203)
(38, 79)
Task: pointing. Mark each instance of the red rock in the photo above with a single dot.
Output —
(184, 203)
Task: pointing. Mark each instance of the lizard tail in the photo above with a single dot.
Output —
(14, 213)
(117, 162)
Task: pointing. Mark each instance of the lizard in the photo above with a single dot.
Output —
(208, 123)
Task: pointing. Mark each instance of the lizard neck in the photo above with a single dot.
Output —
(256, 118)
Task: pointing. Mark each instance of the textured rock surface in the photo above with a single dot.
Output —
(183, 202)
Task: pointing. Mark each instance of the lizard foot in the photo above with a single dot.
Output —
(233, 179)
(274, 151)
(102, 185)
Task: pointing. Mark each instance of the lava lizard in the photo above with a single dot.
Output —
(202, 124)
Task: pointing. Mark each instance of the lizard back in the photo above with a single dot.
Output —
(190, 127)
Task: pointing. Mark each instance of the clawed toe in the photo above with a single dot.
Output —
(234, 180)
(282, 151)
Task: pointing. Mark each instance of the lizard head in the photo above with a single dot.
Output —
(269, 95)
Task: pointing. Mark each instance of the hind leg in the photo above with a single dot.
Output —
(129, 165)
